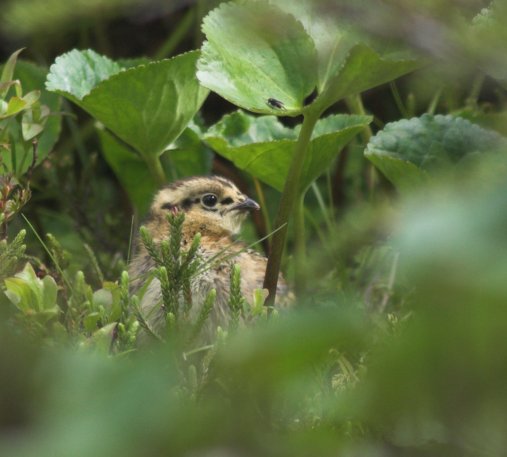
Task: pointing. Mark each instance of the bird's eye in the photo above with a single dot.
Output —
(209, 200)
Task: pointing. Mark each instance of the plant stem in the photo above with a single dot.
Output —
(434, 102)
(355, 105)
(473, 98)
(397, 99)
(322, 206)
(300, 244)
(262, 201)
(177, 36)
(156, 170)
(289, 195)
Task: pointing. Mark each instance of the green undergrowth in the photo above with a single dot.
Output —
(373, 136)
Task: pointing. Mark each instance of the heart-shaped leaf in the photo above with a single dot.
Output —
(264, 147)
(407, 152)
(258, 57)
(147, 106)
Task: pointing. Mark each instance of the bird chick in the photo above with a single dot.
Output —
(215, 208)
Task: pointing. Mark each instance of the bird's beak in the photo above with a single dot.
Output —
(246, 205)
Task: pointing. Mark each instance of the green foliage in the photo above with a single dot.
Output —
(264, 147)
(409, 151)
(254, 53)
(176, 269)
(185, 157)
(257, 60)
(393, 343)
(12, 198)
(236, 300)
(156, 100)
(77, 73)
(267, 60)
(25, 139)
(11, 253)
(34, 297)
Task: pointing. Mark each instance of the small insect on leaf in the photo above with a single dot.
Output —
(274, 103)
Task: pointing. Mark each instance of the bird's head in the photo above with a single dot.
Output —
(211, 204)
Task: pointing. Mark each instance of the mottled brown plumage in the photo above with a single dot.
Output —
(215, 208)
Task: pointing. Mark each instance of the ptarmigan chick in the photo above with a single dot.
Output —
(215, 208)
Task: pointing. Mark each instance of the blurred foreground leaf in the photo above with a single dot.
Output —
(254, 54)
(269, 57)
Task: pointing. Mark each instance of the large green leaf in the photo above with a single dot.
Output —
(147, 106)
(348, 63)
(264, 148)
(269, 56)
(409, 151)
(331, 38)
(258, 57)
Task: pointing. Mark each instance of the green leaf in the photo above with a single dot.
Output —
(258, 57)
(485, 118)
(76, 73)
(49, 293)
(263, 147)
(14, 106)
(285, 50)
(8, 72)
(188, 156)
(91, 321)
(31, 295)
(331, 38)
(32, 78)
(33, 122)
(156, 101)
(102, 298)
(409, 151)
(362, 69)
(101, 338)
(347, 63)
(130, 170)
(17, 104)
